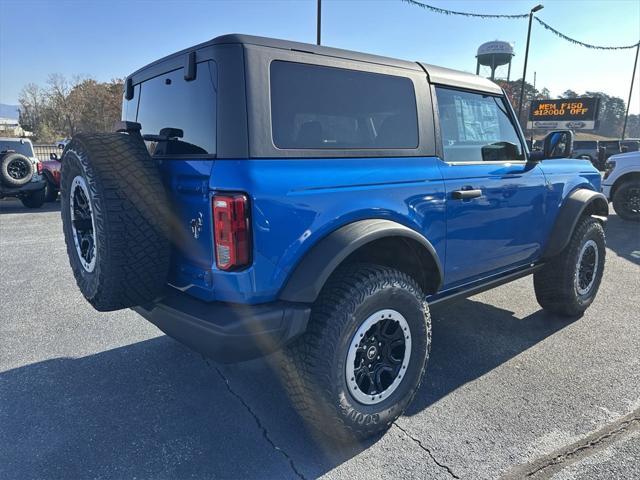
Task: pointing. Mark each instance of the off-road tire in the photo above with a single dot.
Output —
(621, 201)
(555, 283)
(34, 199)
(6, 161)
(314, 364)
(50, 191)
(131, 219)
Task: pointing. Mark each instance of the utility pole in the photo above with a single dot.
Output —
(633, 76)
(319, 22)
(526, 58)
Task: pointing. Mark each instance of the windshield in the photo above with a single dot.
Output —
(22, 148)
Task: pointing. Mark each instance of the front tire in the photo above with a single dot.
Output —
(361, 360)
(569, 282)
(626, 200)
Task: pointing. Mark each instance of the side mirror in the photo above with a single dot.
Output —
(558, 144)
(54, 156)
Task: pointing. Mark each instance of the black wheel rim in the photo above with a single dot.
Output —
(631, 200)
(587, 267)
(378, 356)
(82, 223)
(18, 169)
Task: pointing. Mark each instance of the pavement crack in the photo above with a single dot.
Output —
(262, 428)
(426, 449)
(556, 461)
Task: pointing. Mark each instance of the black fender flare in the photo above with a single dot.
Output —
(311, 273)
(577, 203)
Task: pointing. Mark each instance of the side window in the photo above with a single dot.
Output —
(316, 107)
(169, 101)
(130, 107)
(476, 127)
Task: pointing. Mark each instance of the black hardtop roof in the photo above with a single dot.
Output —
(438, 75)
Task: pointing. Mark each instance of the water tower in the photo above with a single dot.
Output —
(494, 54)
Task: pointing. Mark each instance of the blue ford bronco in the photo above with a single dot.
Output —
(266, 196)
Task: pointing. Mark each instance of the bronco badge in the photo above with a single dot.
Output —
(196, 226)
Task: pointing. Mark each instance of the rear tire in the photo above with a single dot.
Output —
(569, 282)
(342, 374)
(626, 200)
(115, 218)
(34, 199)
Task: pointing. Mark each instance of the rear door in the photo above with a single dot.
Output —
(495, 199)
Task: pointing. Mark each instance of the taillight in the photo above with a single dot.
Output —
(231, 231)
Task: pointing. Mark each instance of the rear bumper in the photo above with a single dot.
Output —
(24, 189)
(227, 332)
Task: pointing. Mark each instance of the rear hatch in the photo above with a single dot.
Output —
(177, 112)
(187, 184)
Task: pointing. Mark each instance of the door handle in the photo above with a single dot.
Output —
(466, 194)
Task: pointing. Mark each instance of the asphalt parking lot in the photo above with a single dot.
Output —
(510, 391)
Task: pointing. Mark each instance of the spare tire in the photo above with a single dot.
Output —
(16, 170)
(115, 217)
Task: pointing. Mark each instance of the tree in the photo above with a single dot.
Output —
(32, 108)
(610, 114)
(633, 127)
(513, 89)
(66, 107)
(569, 94)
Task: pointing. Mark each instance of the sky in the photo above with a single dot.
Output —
(109, 39)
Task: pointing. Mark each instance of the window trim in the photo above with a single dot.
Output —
(258, 61)
(509, 111)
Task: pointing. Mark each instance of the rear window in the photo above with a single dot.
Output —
(19, 147)
(315, 107)
(169, 101)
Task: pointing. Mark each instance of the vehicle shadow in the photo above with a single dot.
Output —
(623, 238)
(471, 338)
(15, 206)
(154, 409)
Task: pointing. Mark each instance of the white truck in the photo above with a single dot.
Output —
(21, 172)
(621, 184)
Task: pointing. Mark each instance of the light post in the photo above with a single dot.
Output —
(319, 22)
(526, 57)
(633, 75)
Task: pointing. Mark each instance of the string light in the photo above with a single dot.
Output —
(444, 11)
